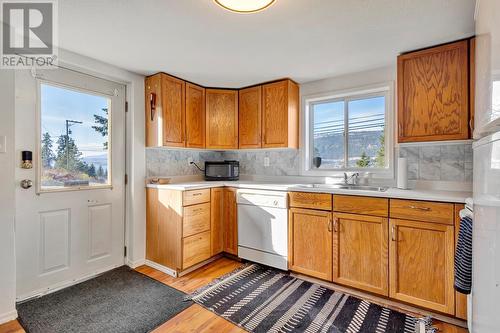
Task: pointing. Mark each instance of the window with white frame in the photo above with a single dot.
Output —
(349, 131)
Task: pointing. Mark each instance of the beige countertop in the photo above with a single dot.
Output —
(414, 194)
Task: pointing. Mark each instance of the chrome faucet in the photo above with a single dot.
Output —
(352, 178)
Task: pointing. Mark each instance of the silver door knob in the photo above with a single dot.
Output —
(26, 183)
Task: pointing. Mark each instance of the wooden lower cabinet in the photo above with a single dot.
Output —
(230, 217)
(310, 242)
(360, 252)
(195, 249)
(217, 220)
(421, 264)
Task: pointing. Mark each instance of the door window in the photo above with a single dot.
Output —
(75, 146)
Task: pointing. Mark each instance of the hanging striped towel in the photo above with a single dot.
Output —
(463, 257)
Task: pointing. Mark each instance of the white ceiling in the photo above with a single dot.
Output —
(305, 40)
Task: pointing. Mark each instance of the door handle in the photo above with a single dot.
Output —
(393, 233)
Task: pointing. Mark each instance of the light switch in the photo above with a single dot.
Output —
(3, 144)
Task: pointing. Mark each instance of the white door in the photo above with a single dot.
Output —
(70, 223)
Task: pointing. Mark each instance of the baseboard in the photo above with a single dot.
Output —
(8, 316)
(161, 268)
(136, 263)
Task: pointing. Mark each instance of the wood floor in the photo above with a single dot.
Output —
(195, 318)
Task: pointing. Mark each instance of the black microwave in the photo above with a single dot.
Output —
(222, 170)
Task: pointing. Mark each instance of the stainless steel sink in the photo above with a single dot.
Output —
(345, 187)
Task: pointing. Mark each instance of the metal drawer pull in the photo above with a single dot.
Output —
(426, 209)
(196, 194)
(393, 233)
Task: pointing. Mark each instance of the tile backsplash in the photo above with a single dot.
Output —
(163, 162)
(447, 162)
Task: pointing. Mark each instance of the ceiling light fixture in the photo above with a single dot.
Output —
(244, 6)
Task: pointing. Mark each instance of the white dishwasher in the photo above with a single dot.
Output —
(263, 227)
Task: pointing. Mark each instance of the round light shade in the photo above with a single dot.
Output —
(244, 6)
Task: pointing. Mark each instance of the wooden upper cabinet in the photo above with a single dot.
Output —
(250, 117)
(221, 119)
(433, 94)
(195, 116)
(280, 114)
(361, 252)
(154, 110)
(173, 101)
(421, 264)
(310, 242)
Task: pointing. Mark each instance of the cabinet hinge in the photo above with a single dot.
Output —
(126, 179)
(124, 251)
(126, 106)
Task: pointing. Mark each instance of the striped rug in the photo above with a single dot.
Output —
(261, 299)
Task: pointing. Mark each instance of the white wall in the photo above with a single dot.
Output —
(7, 200)
(355, 80)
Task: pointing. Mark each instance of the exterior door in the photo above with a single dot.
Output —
(360, 252)
(70, 223)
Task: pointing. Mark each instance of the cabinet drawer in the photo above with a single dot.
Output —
(322, 201)
(195, 249)
(196, 219)
(361, 205)
(195, 197)
(426, 211)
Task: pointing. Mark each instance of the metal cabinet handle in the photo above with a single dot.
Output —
(330, 225)
(425, 209)
(393, 233)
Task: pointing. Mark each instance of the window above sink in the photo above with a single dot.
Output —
(349, 131)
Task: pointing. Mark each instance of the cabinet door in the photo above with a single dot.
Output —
(152, 224)
(154, 130)
(250, 113)
(421, 264)
(433, 94)
(280, 114)
(221, 118)
(216, 220)
(173, 101)
(195, 116)
(361, 252)
(230, 222)
(310, 242)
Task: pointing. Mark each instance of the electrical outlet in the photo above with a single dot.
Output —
(3, 144)
(190, 160)
(266, 161)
